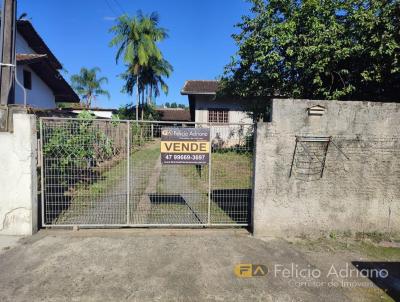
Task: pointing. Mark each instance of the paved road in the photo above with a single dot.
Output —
(152, 265)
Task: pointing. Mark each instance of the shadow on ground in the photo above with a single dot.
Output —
(236, 203)
(167, 199)
(385, 275)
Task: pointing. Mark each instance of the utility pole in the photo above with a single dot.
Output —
(7, 52)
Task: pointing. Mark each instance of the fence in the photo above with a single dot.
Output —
(109, 173)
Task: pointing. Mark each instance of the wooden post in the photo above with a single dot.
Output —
(7, 52)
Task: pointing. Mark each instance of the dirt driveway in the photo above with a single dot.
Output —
(166, 265)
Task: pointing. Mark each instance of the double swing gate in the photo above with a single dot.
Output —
(114, 173)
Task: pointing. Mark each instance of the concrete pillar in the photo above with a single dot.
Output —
(18, 177)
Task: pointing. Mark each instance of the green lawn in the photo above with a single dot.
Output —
(231, 171)
(113, 182)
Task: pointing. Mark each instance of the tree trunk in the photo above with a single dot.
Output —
(142, 104)
(88, 101)
(137, 97)
(151, 94)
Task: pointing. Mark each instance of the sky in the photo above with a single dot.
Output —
(198, 47)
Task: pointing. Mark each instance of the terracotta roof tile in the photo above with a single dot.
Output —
(174, 114)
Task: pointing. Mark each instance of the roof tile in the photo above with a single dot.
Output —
(200, 87)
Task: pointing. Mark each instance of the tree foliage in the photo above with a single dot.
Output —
(79, 145)
(149, 111)
(88, 85)
(318, 49)
(136, 38)
(151, 79)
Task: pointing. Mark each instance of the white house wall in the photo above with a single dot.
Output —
(22, 46)
(97, 113)
(40, 96)
(230, 134)
(206, 102)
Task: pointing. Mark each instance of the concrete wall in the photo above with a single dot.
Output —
(18, 180)
(358, 193)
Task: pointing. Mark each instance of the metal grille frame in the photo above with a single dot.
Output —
(107, 173)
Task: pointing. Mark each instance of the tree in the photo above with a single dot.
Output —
(151, 81)
(150, 113)
(136, 39)
(153, 78)
(330, 49)
(88, 85)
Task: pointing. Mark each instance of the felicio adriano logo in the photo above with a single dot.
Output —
(250, 270)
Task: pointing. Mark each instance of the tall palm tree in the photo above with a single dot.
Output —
(88, 85)
(136, 40)
(153, 77)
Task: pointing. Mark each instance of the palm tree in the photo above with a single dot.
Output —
(136, 40)
(151, 80)
(153, 77)
(88, 85)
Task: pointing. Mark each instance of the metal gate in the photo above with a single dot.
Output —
(105, 173)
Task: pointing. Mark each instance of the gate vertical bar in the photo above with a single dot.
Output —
(42, 170)
(128, 151)
(209, 180)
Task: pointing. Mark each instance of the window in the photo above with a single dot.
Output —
(218, 116)
(27, 79)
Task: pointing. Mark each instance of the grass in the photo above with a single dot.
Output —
(365, 243)
(114, 179)
(359, 247)
(229, 170)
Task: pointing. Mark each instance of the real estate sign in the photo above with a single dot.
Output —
(185, 146)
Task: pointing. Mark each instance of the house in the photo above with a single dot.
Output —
(38, 71)
(232, 124)
(206, 107)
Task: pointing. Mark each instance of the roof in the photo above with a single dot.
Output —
(200, 87)
(44, 63)
(93, 109)
(53, 113)
(174, 114)
(46, 71)
(28, 32)
(23, 58)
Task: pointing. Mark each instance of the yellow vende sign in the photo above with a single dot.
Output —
(185, 146)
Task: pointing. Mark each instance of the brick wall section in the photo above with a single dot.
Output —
(358, 193)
